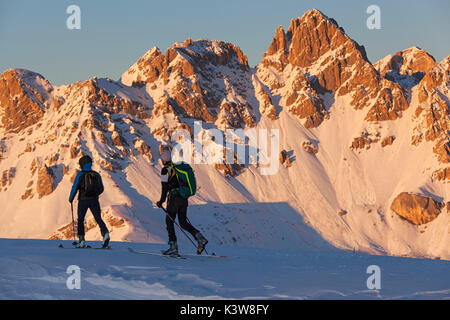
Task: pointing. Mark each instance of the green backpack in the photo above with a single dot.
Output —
(187, 184)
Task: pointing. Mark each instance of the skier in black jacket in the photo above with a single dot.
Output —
(176, 205)
(89, 185)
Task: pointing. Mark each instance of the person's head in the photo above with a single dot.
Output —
(84, 160)
(166, 156)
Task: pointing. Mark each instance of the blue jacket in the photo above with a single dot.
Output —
(76, 183)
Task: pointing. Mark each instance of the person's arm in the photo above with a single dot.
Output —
(164, 186)
(74, 190)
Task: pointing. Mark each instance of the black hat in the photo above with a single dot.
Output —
(84, 160)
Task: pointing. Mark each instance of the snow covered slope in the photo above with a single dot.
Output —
(38, 269)
(353, 137)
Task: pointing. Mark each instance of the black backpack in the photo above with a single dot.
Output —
(90, 184)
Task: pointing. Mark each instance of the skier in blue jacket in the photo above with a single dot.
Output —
(89, 185)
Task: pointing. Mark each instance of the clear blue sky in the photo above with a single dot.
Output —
(114, 34)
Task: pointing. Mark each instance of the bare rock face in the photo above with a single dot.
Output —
(27, 195)
(362, 142)
(415, 208)
(441, 174)
(143, 148)
(390, 103)
(266, 106)
(442, 150)
(279, 44)
(21, 99)
(387, 141)
(230, 169)
(284, 158)
(309, 147)
(366, 139)
(433, 111)
(45, 182)
(117, 139)
(236, 115)
(6, 177)
(342, 213)
(307, 105)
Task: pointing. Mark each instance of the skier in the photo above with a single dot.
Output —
(176, 205)
(89, 186)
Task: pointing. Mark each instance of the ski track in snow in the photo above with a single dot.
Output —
(36, 269)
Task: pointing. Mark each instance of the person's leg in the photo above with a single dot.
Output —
(94, 205)
(170, 218)
(182, 216)
(81, 213)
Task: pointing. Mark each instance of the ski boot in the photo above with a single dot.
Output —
(201, 240)
(106, 239)
(172, 251)
(81, 242)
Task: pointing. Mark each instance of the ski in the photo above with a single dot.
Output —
(184, 256)
(213, 255)
(87, 247)
(156, 254)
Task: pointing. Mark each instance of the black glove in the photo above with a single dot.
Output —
(159, 204)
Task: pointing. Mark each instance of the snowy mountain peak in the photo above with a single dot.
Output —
(406, 67)
(314, 35)
(317, 53)
(202, 79)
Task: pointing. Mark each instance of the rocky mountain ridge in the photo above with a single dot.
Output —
(339, 117)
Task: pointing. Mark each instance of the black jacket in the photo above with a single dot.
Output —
(169, 181)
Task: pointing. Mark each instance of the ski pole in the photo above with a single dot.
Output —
(167, 214)
(73, 223)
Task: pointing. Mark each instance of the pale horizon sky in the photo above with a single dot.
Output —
(114, 34)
